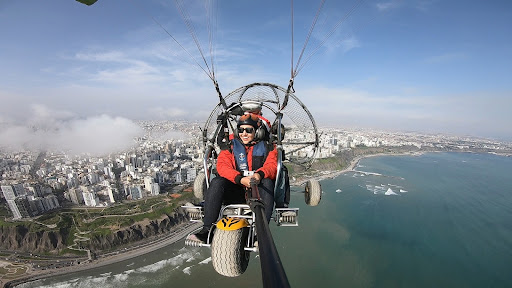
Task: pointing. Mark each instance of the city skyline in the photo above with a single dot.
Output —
(86, 72)
(30, 178)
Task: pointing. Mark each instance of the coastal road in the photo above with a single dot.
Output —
(172, 237)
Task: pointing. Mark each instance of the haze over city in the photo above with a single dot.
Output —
(82, 73)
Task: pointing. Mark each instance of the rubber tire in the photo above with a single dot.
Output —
(313, 193)
(200, 186)
(228, 255)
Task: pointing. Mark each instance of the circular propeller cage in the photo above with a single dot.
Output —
(300, 141)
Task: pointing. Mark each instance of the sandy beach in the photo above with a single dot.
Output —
(353, 164)
(331, 174)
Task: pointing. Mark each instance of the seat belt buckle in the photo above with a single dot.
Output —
(248, 173)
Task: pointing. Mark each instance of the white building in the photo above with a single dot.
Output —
(10, 197)
(148, 182)
(155, 189)
(108, 171)
(110, 195)
(191, 174)
(90, 199)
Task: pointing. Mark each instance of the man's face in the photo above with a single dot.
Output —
(246, 133)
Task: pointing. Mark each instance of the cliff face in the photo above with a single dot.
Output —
(136, 232)
(18, 238)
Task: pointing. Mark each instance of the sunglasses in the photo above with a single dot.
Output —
(249, 130)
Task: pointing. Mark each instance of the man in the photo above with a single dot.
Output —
(248, 157)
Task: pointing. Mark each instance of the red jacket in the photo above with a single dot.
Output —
(226, 165)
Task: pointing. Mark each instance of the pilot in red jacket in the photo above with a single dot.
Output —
(248, 157)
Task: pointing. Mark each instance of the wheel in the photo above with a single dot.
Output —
(313, 193)
(200, 186)
(228, 255)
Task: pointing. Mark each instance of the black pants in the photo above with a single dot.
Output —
(222, 190)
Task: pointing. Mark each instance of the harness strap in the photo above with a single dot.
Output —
(259, 152)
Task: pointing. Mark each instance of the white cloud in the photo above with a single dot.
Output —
(165, 113)
(350, 43)
(424, 5)
(42, 116)
(421, 5)
(447, 57)
(386, 6)
(471, 113)
(110, 56)
(122, 68)
(96, 135)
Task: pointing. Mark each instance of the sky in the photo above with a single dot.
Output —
(82, 72)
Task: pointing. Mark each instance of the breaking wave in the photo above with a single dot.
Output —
(384, 189)
(138, 275)
(187, 270)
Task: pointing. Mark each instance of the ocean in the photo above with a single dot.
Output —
(434, 220)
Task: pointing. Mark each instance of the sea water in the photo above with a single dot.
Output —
(435, 220)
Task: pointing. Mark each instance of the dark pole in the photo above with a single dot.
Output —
(272, 270)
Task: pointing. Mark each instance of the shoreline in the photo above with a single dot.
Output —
(179, 233)
(173, 237)
(350, 168)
